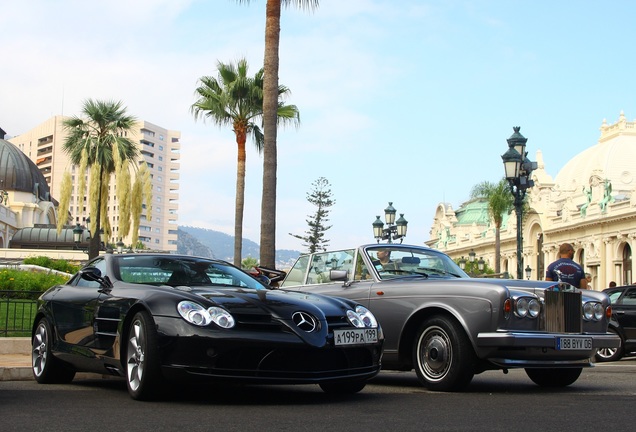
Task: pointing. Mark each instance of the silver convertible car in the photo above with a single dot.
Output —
(449, 327)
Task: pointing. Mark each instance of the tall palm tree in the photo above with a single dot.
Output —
(235, 99)
(270, 104)
(500, 201)
(99, 141)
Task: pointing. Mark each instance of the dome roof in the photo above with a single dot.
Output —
(19, 173)
(613, 158)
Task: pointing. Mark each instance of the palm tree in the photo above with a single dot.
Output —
(500, 202)
(237, 100)
(270, 104)
(98, 141)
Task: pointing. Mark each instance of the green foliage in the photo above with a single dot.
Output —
(314, 237)
(19, 280)
(60, 265)
(248, 263)
(472, 268)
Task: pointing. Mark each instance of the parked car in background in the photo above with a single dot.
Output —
(623, 323)
(449, 327)
(154, 318)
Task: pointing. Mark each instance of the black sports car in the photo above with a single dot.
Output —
(623, 323)
(154, 318)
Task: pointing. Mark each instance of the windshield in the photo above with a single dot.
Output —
(182, 271)
(393, 261)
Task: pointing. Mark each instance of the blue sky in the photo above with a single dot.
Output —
(409, 102)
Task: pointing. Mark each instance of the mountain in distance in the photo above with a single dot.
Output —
(215, 244)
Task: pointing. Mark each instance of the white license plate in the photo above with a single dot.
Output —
(573, 343)
(355, 336)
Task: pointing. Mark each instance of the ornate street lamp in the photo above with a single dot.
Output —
(120, 246)
(528, 272)
(77, 235)
(101, 238)
(471, 256)
(481, 264)
(462, 263)
(518, 169)
(395, 230)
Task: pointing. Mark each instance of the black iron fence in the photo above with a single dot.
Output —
(17, 312)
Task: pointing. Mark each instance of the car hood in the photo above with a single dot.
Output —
(517, 287)
(279, 303)
(269, 309)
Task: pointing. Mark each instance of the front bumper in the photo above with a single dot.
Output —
(188, 352)
(535, 349)
(542, 340)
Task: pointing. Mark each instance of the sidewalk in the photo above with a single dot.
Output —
(15, 359)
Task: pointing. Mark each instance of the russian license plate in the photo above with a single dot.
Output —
(355, 336)
(573, 343)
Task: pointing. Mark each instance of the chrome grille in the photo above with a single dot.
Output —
(563, 312)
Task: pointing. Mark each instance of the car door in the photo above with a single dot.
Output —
(73, 308)
(625, 310)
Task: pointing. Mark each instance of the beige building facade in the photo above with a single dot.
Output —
(159, 148)
(591, 203)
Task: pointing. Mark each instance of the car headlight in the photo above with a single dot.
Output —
(196, 314)
(534, 308)
(598, 311)
(362, 317)
(527, 307)
(592, 311)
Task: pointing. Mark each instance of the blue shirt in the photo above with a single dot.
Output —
(571, 272)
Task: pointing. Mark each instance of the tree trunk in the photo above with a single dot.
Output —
(94, 244)
(270, 107)
(240, 200)
(497, 249)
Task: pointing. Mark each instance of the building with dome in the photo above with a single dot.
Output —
(591, 203)
(25, 198)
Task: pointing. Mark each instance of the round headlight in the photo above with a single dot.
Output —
(367, 317)
(588, 311)
(355, 319)
(362, 317)
(196, 314)
(221, 317)
(521, 307)
(598, 311)
(534, 308)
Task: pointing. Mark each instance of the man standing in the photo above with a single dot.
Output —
(568, 270)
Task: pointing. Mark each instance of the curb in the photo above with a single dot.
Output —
(15, 359)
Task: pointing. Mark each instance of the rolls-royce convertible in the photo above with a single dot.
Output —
(449, 326)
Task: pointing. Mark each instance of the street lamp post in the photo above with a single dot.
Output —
(77, 235)
(518, 169)
(528, 272)
(395, 230)
(481, 265)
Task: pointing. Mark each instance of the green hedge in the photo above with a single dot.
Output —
(20, 280)
(55, 264)
(31, 280)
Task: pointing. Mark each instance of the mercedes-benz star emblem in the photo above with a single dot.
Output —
(304, 321)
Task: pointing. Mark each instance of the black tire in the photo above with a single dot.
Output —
(610, 354)
(345, 387)
(559, 377)
(443, 356)
(143, 372)
(46, 368)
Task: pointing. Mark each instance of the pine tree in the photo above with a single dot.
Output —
(314, 238)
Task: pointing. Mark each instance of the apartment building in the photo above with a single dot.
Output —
(159, 148)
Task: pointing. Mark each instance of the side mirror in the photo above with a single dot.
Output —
(92, 274)
(338, 275)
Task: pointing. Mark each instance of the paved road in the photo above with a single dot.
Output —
(603, 398)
